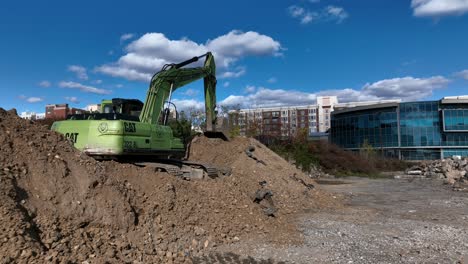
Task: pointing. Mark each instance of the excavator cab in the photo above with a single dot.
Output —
(131, 107)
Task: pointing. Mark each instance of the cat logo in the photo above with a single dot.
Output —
(73, 137)
(129, 127)
(102, 128)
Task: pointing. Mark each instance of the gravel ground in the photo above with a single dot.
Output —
(384, 221)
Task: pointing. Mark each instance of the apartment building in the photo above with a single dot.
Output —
(285, 121)
(60, 111)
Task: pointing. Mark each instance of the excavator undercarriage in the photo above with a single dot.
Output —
(187, 170)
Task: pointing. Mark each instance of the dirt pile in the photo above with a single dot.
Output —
(59, 205)
(453, 171)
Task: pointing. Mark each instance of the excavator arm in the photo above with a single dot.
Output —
(172, 77)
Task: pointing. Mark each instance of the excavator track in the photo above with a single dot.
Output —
(187, 169)
(171, 169)
(212, 171)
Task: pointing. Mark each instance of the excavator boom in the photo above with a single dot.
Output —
(172, 77)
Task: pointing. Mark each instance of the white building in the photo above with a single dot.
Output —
(32, 115)
(93, 108)
(325, 105)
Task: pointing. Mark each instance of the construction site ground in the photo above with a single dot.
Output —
(58, 205)
(383, 221)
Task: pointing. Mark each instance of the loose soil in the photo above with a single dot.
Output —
(59, 205)
(383, 221)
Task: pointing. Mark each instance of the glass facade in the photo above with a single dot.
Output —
(458, 152)
(377, 128)
(420, 124)
(416, 130)
(455, 120)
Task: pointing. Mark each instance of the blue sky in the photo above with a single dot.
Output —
(268, 53)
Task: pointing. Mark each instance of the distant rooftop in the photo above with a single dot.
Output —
(354, 104)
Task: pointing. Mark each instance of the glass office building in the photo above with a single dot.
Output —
(409, 131)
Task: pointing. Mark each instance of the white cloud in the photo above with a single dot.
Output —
(335, 13)
(265, 97)
(233, 74)
(438, 8)
(462, 74)
(80, 71)
(226, 84)
(126, 36)
(272, 80)
(406, 88)
(408, 63)
(304, 16)
(147, 54)
(84, 88)
(250, 89)
(237, 44)
(30, 99)
(296, 11)
(188, 104)
(328, 14)
(350, 95)
(190, 92)
(308, 17)
(34, 99)
(44, 83)
(122, 71)
(119, 85)
(97, 81)
(72, 99)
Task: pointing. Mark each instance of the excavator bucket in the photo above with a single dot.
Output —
(216, 129)
(216, 134)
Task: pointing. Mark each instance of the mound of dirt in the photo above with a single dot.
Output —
(59, 205)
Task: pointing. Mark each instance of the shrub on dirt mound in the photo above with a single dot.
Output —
(60, 205)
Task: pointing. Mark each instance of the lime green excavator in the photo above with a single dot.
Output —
(126, 129)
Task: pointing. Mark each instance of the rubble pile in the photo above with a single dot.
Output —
(453, 171)
(59, 205)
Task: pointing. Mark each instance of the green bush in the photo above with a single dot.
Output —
(334, 160)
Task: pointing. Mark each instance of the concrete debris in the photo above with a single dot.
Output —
(264, 197)
(454, 171)
(249, 151)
